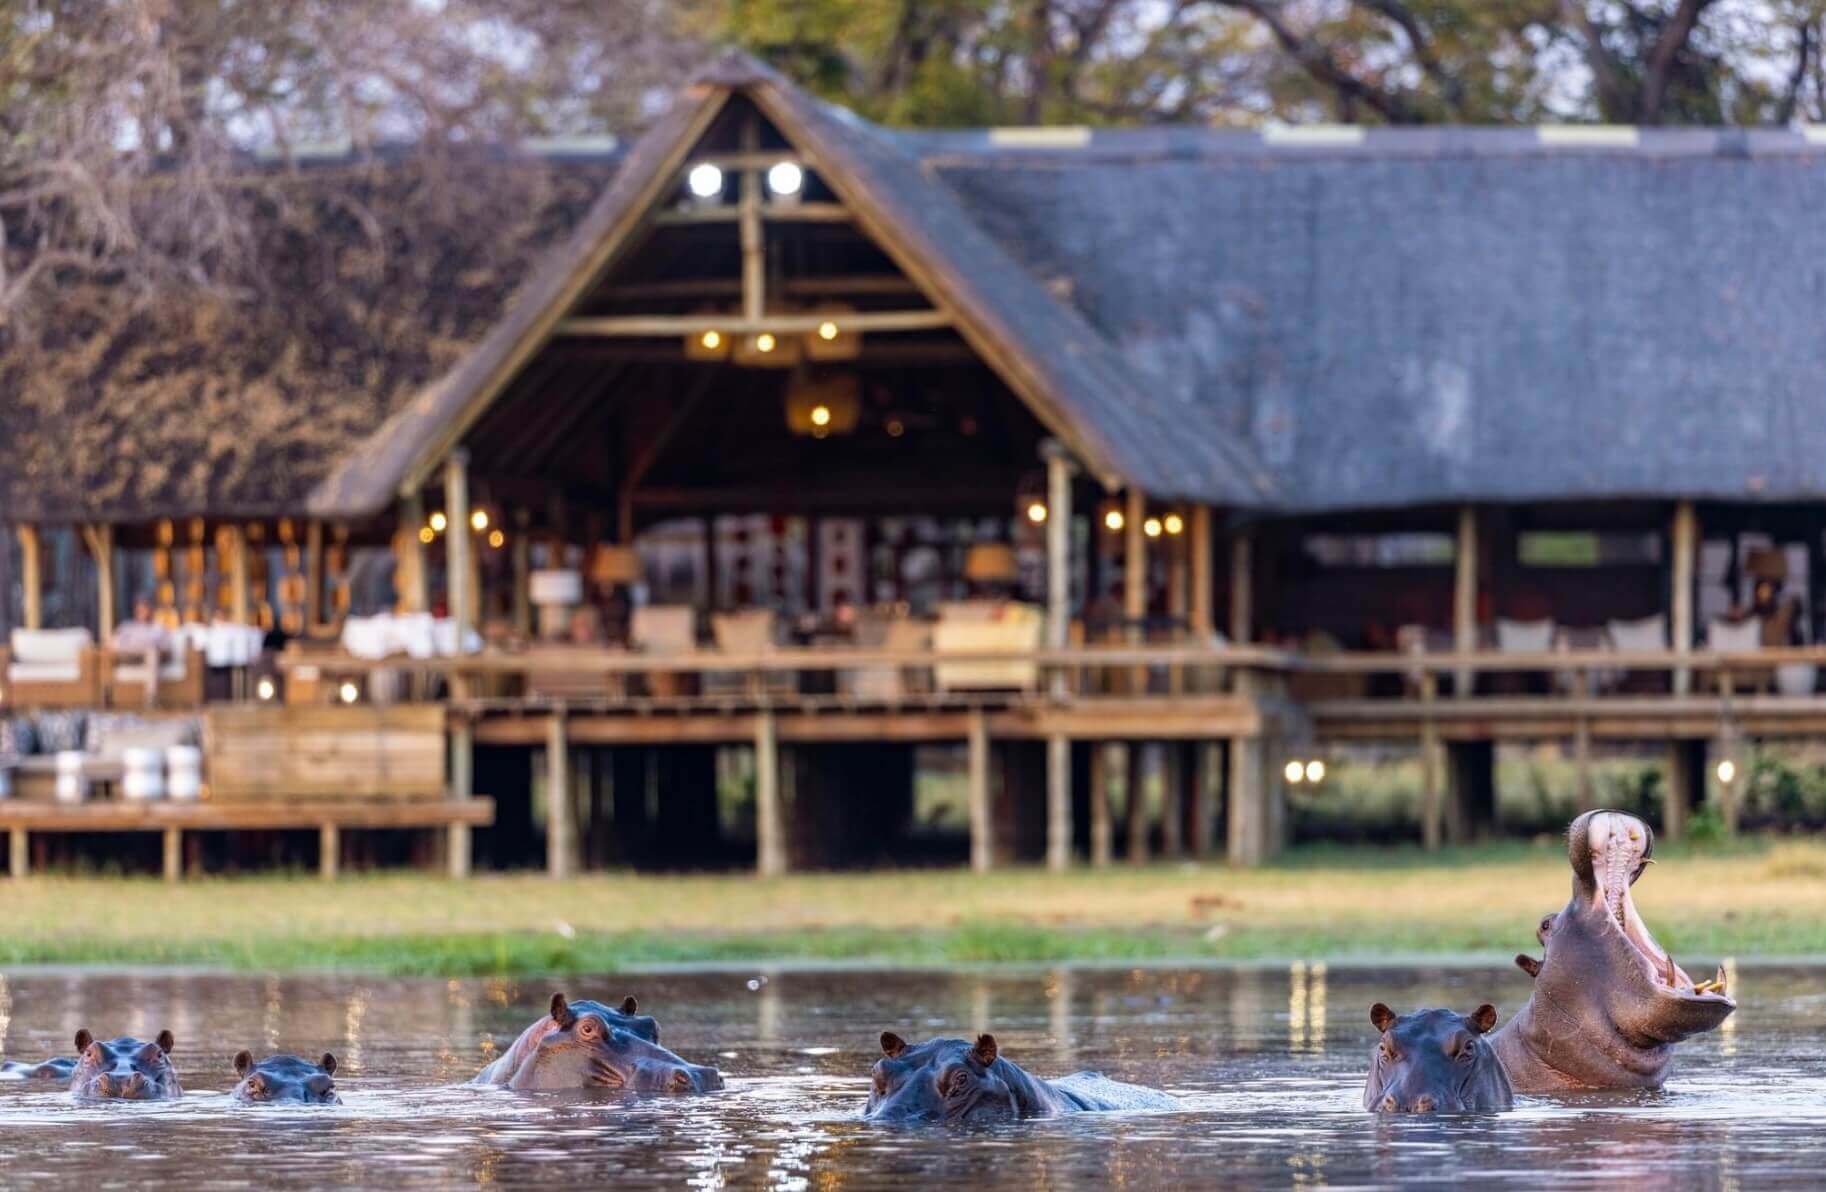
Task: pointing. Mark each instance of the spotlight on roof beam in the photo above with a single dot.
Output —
(785, 180)
(705, 181)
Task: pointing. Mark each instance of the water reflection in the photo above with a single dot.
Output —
(1269, 1079)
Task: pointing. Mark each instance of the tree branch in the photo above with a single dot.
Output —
(1451, 89)
(1673, 39)
(1318, 62)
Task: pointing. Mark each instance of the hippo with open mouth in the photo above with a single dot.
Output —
(1608, 1003)
(1435, 1061)
(285, 1080)
(124, 1069)
(586, 1046)
(627, 1018)
(57, 1068)
(951, 1080)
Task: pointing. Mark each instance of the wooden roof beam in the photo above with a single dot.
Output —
(775, 212)
(648, 326)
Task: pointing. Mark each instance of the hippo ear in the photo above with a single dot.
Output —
(561, 1012)
(1381, 1017)
(1483, 1018)
(892, 1044)
(629, 1006)
(328, 1063)
(166, 1041)
(244, 1060)
(83, 1039)
(1528, 964)
(985, 1050)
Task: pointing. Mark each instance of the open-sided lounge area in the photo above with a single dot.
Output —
(822, 495)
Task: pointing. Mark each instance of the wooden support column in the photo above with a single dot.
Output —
(462, 787)
(1135, 802)
(1246, 830)
(31, 576)
(982, 818)
(1135, 591)
(1242, 587)
(1432, 803)
(1464, 597)
(1058, 550)
(1685, 785)
(313, 575)
(770, 820)
(456, 539)
(174, 854)
(560, 800)
(100, 541)
(1103, 827)
(1058, 802)
(18, 852)
(1581, 757)
(1685, 550)
(1199, 547)
(238, 607)
(753, 237)
(329, 851)
(1205, 760)
(412, 581)
(1173, 771)
(523, 569)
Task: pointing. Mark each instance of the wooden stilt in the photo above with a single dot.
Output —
(1685, 771)
(174, 854)
(1103, 827)
(18, 859)
(1205, 758)
(1135, 802)
(982, 820)
(1058, 802)
(462, 784)
(1247, 828)
(329, 851)
(1464, 597)
(1172, 801)
(560, 803)
(1432, 801)
(770, 822)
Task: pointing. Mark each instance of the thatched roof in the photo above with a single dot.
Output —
(370, 278)
(1403, 317)
(1066, 371)
(1306, 321)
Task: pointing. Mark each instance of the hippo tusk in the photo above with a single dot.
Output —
(1672, 980)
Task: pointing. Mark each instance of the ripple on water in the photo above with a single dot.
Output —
(1268, 1064)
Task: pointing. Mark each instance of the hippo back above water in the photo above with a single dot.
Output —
(953, 1081)
(585, 1048)
(628, 1018)
(124, 1069)
(285, 1079)
(58, 1068)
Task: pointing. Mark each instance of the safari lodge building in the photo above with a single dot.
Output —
(804, 465)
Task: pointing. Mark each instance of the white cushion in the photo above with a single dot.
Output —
(1524, 637)
(1739, 638)
(1648, 633)
(664, 628)
(50, 646)
(43, 672)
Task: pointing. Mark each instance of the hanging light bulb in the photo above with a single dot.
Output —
(265, 688)
(1036, 512)
(496, 539)
(1174, 523)
(827, 330)
(439, 522)
(427, 535)
(821, 415)
(785, 178)
(350, 693)
(1113, 520)
(1294, 772)
(1151, 527)
(705, 181)
(478, 520)
(712, 340)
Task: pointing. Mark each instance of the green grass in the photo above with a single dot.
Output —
(1755, 898)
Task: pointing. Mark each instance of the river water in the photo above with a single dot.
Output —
(1269, 1062)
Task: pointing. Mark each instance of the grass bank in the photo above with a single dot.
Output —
(1756, 899)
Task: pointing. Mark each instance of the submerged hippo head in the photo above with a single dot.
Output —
(286, 1079)
(1435, 1061)
(125, 1068)
(588, 1049)
(626, 1017)
(946, 1080)
(1608, 1001)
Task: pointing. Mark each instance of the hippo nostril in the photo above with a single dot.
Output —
(1423, 1104)
(1388, 1103)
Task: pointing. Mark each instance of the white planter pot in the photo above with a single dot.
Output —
(184, 766)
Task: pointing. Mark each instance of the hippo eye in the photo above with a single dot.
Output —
(588, 1029)
(954, 1083)
(1467, 1050)
(94, 1054)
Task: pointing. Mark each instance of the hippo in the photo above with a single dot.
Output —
(1608, 1003)
(584, 1048)
(628, 1018)
(57, 1068)
(954, 1081)
(1435, 1061)
(285, 1079)
(125, 1069)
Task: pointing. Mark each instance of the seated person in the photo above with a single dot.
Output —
(140, 641)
